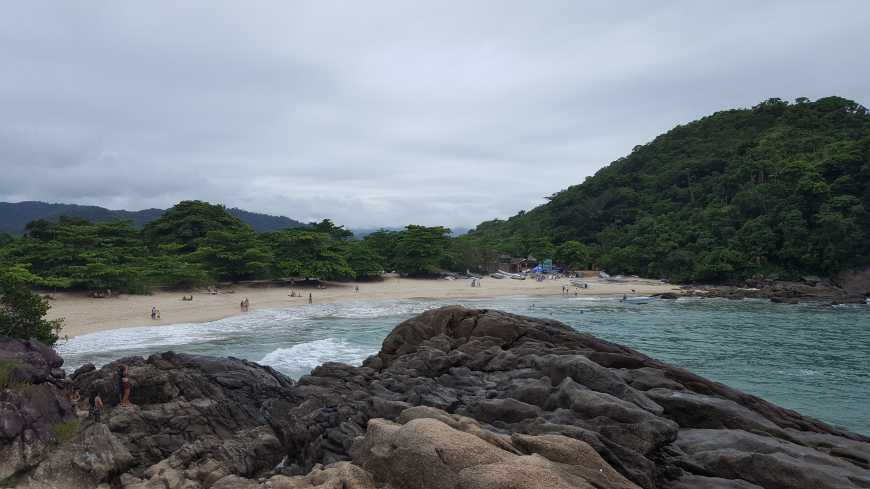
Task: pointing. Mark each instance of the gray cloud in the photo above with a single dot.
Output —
(385, 113)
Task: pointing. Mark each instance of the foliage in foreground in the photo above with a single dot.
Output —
(22, 312)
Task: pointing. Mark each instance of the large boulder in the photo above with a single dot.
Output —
(32, 404)
(93, 456)
(435, 452)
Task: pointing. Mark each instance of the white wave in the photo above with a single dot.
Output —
(299, 359)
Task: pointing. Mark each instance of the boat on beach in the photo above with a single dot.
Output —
(515, 276)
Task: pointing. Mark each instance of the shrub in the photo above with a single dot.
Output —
(6, 368)
(66, 430)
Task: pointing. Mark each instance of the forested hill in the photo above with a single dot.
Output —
(778, 190)
(15, 216)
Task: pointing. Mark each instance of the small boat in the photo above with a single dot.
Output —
(497, 275)
(637, 300)
(512, 275)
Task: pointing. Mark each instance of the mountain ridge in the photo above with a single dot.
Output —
(14, 216)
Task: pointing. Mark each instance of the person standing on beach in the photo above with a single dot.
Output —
(310, 298)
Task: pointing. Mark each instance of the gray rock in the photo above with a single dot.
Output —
(455, 398)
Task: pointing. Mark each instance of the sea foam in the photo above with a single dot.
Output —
(298, 360)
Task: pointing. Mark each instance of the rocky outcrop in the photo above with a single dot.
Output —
(32, 404)
(455, 398)
(848, 287)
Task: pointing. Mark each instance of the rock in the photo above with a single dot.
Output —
(784, 300)
(455, 398)
(84, 462)
(570, 451)
(427, 452)
(179, 399)
(701, 482)
(767, 462)
(31, 404)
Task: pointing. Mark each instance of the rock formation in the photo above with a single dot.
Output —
(456, 398)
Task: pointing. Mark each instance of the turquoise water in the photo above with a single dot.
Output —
(813, 359)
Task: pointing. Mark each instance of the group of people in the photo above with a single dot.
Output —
(155, 313)
(566, 290)
(475, 282)
(187, 297)
(310, 297)
(122, 388)
(245, 305)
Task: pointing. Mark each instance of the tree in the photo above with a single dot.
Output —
(233, 254)
(383, 243)
(364, 262)
(328, 227)
(422, 250)
(309, 254)
(22, 312)
(574, 255)
(188, 222)
(175, 271)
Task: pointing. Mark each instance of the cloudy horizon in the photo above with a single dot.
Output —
(387, 113)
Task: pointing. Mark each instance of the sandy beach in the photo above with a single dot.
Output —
(83, 315)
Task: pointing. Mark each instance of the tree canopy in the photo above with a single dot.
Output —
(196, 243)
(778, 190)
(22, 312)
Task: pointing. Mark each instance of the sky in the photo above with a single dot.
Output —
(385, 113)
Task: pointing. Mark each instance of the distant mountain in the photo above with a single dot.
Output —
(15, 216)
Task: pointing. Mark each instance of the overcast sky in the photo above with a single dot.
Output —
(384, 113)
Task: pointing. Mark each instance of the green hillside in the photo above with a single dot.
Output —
(778, 190)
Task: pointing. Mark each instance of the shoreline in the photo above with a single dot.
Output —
(83, 315)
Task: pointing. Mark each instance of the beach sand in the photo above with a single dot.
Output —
(83, 315)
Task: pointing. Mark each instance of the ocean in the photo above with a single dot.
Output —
(811, 358)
